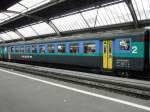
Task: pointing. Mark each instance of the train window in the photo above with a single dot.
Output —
(22, 49)
(12, 49)
(74, 48)
(34, 49)
(51, 48)
(89, 48)
(27, 49)
(42, 49)
(105, 48)
(61, 48)
(9, 49)
(17, 49)
(125, 44)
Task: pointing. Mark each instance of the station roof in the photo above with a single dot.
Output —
(23, 19)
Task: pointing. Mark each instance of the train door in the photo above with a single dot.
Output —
(107, 54)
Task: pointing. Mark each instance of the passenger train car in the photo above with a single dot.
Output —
(124, 51)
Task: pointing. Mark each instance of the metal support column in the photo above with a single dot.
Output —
(54, 28)
(132, 11)
(18, 33)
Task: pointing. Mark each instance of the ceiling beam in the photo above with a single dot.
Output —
(51, 3)
(54, 28)
(133, 13)
(37, 18)
(20, 35)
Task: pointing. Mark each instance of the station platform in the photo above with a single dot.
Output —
(124, 85)
(24, 92)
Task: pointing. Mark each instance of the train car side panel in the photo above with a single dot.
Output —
(128, 52)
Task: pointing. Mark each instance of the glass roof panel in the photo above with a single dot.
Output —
(27, 31)
(43, 28)
(9, 14)
(68, 23)
(113, 14)
(3, 16)
(90, 17)
(25, 6)
(17, 7)
(31, 4)
(142, 9)
(107, 15)
(4, 36)
(13, 35)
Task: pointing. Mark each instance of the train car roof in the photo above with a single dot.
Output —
(86, 36)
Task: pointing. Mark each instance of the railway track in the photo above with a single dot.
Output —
(136, 88)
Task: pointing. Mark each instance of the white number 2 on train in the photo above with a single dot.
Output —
(134, 49)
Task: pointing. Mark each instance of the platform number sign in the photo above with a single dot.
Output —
(134, 49)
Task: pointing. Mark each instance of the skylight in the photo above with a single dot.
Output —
(4, 36)
(13, 35)
(22, 7)
(43, 28)
(27, 31)
(17, 7)
(68, 23)
(142, 9)
(113, 14)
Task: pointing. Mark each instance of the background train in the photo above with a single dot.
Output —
(127, 52)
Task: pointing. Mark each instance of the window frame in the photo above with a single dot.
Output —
(89, 42)
(17, 49)
(39, 46)
(78, 46)
(64, 47)
(52, 44)
(27, 46)
(36, 46)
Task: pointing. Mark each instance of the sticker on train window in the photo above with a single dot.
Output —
(125, 44)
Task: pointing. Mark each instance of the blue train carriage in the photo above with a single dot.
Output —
(131, 53)
(76, 52)
(148, 36)
(3, 52)
(120, 52)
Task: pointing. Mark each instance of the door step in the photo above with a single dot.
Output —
(106, 71)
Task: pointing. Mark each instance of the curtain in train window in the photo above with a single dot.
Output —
(89, 48)
(61, 48)
(74, 48)
(42, 49)
(51, 48)
(34, 49)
